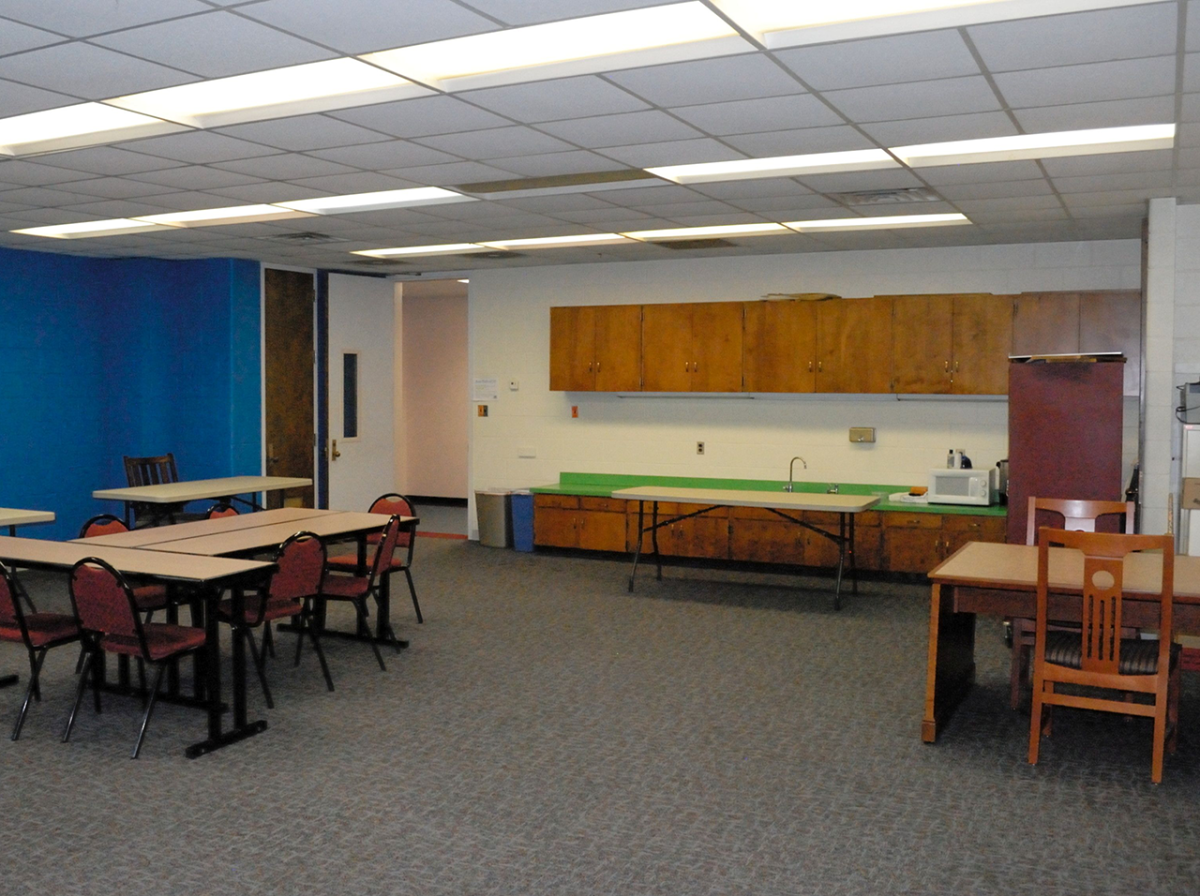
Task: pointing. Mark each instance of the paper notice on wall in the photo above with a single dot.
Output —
(485, 388)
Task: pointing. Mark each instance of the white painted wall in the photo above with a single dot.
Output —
(753, 438)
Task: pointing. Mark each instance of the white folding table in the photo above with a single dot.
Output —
(227, 488)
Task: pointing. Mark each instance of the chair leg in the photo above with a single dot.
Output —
(35, 666)
(413, 591)
(87, 664)
(158, 676)
(268, 639)
(142, 678)
(361, 606)
(257, 656)
(1173, 709)
(316, 643)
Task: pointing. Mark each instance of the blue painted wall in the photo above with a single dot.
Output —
(105, 357)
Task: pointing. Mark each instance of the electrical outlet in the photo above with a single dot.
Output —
(699, 447)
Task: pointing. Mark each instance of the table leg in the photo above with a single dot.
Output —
(951, 662)
(637, 550)
(654, 539)
(853, 556)
(841, 540)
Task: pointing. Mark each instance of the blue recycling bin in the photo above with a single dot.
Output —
(522, 520)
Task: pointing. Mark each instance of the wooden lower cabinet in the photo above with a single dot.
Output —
(570, 521)
(701, 536)
(917, 542)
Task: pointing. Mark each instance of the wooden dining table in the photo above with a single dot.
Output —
(207, 577)
(1001, 580)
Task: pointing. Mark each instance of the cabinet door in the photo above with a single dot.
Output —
(601, 531)
(958, 529)
(921, 343)
(618, 350)
(779, 346)
(717, 347)
(1045, 323)
(911, 550)
(854, 345)
(555, 527)
(572, 349)
(766, 541)
(666, 348)
(1112, 322)
(982, 341)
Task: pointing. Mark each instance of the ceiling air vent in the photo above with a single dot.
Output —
(307, 237)
(889, 197)
(715, 243)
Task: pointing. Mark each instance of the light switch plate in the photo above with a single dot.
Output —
(862, 433)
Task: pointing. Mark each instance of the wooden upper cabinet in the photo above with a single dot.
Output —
(1045, 323)
(981, 345)
(1112, 322)
(595, 348)
(854, 345)
(695, 347)
(779, 349)
(923, 343)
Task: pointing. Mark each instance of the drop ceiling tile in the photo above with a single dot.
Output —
(358, 182)
(422, 117)
(451, 174)
(199, 177)
(922, 99)
(640, 196)
(1107, 114)
(263, 191)
(1132, 209)
(708, 81)
(1192, 34)
(112, 208)
(79, 18)
(936, 130)
(680, 152)
(287, 167)
(883, 60)
(552, 205)
(756, 115)
(555, 163)
(1088, 83)
(1109, 163)
(674, 210)
(622, 129)
(43, 197)
(15, 38)
(198, 147)
(496, 143)
(1096, 36)
(376, 156)
(797, 142)
(17, 99)
(789, 208)
(215, 45)
(304, 132)
(88, 72)
(1190, 109)
(107, 160)
(116, 188)
(1117, 197)
(603, 218)
(987, 214)
(730, 217)
(854, 181)
(184, 200)
(555, 100)
(1000, 190)
(1009, 203)
(738, 190)
(985, 173)
(1141, 180)
(35, 174)
(522, 12)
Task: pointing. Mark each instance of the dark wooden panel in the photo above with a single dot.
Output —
(1045, 323)
(1112, 321)
(288, 300)
(983, 330)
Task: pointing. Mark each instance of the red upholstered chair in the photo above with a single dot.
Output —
(300, 563)
(356, 589)
(109, 622)
(219, 510)
(149, 597)
(37, 631)
(392, 505)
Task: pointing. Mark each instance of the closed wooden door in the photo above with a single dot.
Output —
(1045, 323)
(667, 348)
(922, 343)
(779, 346)
(982, 342)
(618, 348)
(572, 349)
(854, 345)
(288, 299)
(717, 347)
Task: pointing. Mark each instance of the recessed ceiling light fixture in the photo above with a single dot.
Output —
(548, 242)
(788, 23)
(891, 222)
(84, 229)
(1039, 146)
(71, 127)
(369, 202)
(691, 233)
(294, 90)
(777, 166)
(235, 214)
(635, 37)
(442, 249)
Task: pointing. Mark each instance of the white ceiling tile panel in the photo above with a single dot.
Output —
(798, 142)
(199, 147)
(215, 45)
(116, 187)
(1190, 108)
(883, 60)
(619, 219)
(422, 117)
(623, 129)
(552, 205)
(1107, 114)
(775, 113)
(981, 174)
(15, 37)
(788, 208)
(32, 174)
(16, 99)
(1192, 34)
(1109, 163)
(264, 191)
(451, 173)
(79, 18)
(682, 152)
(358, 182)
(1117, 197)
(854, 181)
(1097, 36)
(555, 100)
(730, 217)
(923, 99)
(88, 72)
(495, 143)
(199, 177)
(1088, 83)
(1191, 70)
(1093, 183)
(185, 199)
(286, 167)
(556, 163)
(1000, 190)
(737, 191)
(43, 197)
(640, 196)
(673, 210)
(936, 130)
(107, 160)
(356, 26)
(304, 132)
(113, 208)
(708, 81)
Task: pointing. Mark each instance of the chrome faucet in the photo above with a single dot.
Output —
(791, 467)
(832, 490)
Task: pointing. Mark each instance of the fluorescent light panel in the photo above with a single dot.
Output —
(635, 37)
(891, 222)
(547, 242)
(789, 23)
(369, 202)
(294, 90)
(71, 127)
(1039, 146)
(442, 249)
(691, 233)
(777, 166)
(85, 229)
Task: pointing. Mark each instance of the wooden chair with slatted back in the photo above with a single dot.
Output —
(152, 471)
(1078, 516)
(1095, 658)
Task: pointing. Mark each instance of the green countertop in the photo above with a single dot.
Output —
(602, 485)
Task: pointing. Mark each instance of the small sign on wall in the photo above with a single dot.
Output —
(485, 388)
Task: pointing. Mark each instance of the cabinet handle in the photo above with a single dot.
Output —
(589, 368)
(686, 366)
(820, 367)
(956, 367)
(947, 367)
(810, 366)
(597, 367)
(695, 366)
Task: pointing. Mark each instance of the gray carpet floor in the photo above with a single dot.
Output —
(548, 733)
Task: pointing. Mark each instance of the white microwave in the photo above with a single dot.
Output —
(949, 486)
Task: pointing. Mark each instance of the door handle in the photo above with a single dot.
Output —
(272, 458)
(334, 454)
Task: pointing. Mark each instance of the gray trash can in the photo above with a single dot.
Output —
(495, 517)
